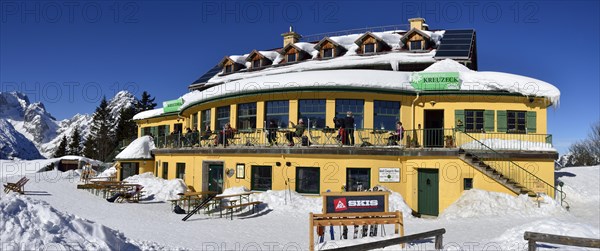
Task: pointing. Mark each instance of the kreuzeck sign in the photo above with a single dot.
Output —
(172, 105)
(435, 81)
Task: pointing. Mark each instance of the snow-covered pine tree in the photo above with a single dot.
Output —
(101, 141)
(75, 143)
(62, 148)
(145, 103)
(126, 128)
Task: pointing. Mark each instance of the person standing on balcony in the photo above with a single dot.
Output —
(349, 128)
(226, 134)
(339, 125)
(272, 132)
(298, 133)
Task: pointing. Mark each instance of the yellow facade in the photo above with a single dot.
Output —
(452, 171)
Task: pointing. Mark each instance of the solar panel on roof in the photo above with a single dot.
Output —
(452, 54)
(458, 36)
(459, 31)
(208, 75)
(456, 41)
(456, 44)
(455, 47)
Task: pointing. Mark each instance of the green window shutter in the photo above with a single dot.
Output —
(531, 122)
(459, 115)
(488, 120)
(154, 131)
(502, 123)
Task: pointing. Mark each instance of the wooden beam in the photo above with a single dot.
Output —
(396, 241)
(534, 237)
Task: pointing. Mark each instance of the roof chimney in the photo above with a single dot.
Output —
(417, 23)
(290, 37)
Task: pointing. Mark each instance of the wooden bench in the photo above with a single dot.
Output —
(131, 198)
(231, 208)
(18, 187)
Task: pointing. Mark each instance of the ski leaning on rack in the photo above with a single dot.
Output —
(202, 204)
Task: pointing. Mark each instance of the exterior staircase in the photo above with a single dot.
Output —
(500, 168)
(496, 175)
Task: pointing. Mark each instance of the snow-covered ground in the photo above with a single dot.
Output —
(54, 213)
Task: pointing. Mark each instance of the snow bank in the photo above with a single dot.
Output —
(581, 184)
(477, 203)
(158, 189)
(397, 202)
(235, 190)
(138, 149)
(512, 239)
(447, 65)
(110, 172)
(502, 144)
(290, 201)
(29, 224)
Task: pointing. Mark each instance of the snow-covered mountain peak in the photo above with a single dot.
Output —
(33, 123)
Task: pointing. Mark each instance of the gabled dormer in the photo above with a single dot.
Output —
(369, 43)
(329, 49)
(292, 53)
(259, 59)
(231, 64)
(416, 40)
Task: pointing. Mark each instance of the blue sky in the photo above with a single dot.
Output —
(69, 54)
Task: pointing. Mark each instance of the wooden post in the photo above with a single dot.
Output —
(438, 242)
(311, 237)
(531, 246)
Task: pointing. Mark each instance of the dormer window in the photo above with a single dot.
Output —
(369, 48)
(256, 63)
(328, 53)
(416, 45)
(228, 68)
(291, 57)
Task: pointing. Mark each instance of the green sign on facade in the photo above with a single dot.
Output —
(435, 81)
(172, 105)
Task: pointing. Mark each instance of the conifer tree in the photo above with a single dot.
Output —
(126, 128)
(145, 103)
(62, 148)
(101, 141)
(75, 143)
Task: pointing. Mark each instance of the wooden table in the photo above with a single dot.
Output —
(239, 197)
(379, 136)
(192, 196)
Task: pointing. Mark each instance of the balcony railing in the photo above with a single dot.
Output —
(329, 137)
(505, 141)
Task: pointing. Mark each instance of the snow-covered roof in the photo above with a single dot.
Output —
(377, 79)
(302, 76)
(138, 149)
(149, 114)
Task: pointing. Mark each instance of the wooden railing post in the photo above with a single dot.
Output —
(438, 242)
(311, 237)
(531, 246)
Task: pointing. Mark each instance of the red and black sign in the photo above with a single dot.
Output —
(355, 204)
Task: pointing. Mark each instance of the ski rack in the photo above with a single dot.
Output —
(352, 219)
(200, 206)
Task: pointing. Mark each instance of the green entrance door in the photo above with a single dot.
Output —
(215, 178)
(428, 191)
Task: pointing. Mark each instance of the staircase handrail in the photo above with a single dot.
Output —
(506, 157)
